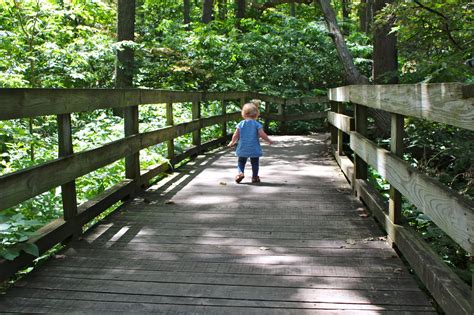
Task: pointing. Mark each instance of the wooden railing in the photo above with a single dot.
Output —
(445, 103)
(27, 183)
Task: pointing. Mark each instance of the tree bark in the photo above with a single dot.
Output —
(125, 32)
(125, 56)
(186, 13)
(385, 67)
(365, 15)
(222, 9)
(207, 10)
(240, 9)
(292, 8)
(353, 76)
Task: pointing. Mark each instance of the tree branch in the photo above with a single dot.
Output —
(446, 23)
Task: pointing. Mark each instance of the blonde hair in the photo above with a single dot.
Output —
(250, 110)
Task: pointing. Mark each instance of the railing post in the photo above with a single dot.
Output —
(340, 133)
(396, 147)
(266, 124)
(170, 143)
(68, 190)
(333, 129)
(281, 113)
(196, 114)
(360, 167)
(132, 162)
(224, 124)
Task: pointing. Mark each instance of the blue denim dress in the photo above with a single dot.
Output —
(249, 143)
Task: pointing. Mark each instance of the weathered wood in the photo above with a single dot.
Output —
(396, 147)
(170, 142)
(346, 165)
(19, 186)
(339, 94)
(342, 122)
(440, 102)
(224, 124)
(286, 118)
(448, 210)
(132, 161)
(450, 292)
(196, 114)
(266, 114)
(150, 173)
(360, 125)
(340, 141)
(68, 190)
(59, 230)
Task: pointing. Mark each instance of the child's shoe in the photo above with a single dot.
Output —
(256, 179)
(239, 177)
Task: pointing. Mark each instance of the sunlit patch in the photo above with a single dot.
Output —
(100, 230)
(119, 234)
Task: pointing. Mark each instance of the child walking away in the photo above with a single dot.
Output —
(247, 134)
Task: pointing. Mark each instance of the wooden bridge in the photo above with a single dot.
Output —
(302, 241)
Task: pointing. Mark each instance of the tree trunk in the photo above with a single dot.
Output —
(222, 9)
(353, 76)
(186, 13)
(207, 6)
(385, 66)
(365, 15)
(292, 8)
(125, 58)
(345, 16)
(240, 9)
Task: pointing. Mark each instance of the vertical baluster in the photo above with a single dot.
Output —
(224, 124)
(196, 114)
(132, 162)
(333, 129)
(267, 119)
(340, 133)
(396, 147)
(68, 190)
(170, 143)
(360, 113)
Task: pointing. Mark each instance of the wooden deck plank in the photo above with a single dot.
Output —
(199, 243)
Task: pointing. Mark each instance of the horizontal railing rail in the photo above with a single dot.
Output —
(24, 184)
(449, 103)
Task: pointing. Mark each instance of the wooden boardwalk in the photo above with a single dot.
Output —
(297, 243)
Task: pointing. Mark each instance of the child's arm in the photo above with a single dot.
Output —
(235, 137)
(264, 136)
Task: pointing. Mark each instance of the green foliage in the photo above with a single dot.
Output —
(435, 38)
(15, 230)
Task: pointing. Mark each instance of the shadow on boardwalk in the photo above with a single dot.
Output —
(297, 243)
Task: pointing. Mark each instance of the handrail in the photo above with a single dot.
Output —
(27, 183)
(450, 103)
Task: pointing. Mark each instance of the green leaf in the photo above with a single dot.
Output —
(10, 253)
(31, 249)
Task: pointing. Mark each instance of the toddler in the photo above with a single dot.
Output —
(248, 132)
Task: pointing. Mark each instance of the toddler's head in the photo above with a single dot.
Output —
(250, 111)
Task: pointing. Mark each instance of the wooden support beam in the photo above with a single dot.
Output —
(266, 124)
(396, 147)
(340, 133)
(196, 115)
(170, 142)
(342, 122)
(447, 209)
(224, 124)
(448, 103)
(360, 118)
(132, 161)
(68, 190)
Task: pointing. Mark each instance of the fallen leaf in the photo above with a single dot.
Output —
(382, 238)
(369, 239)
(350, 241)
(59, 256)
(398, 270)
(363, 215)
(223, 183)
(264, 248)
